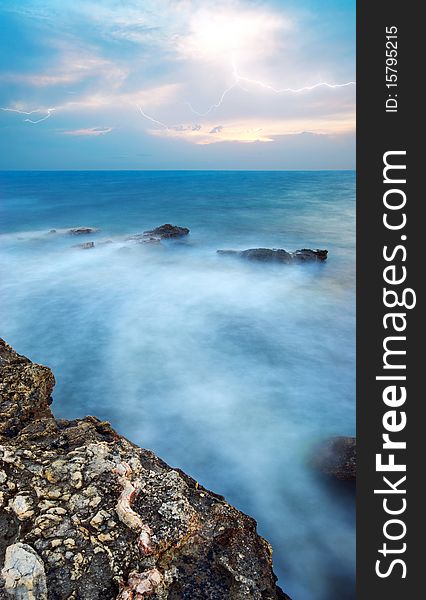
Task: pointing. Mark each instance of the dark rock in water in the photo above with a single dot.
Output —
(86, 514)
(154, 236)
(82, 230)
(167, 231)
(52, 231)
(85, 245)
(266, 255)
(278, 255)
(307, 255)
(337, 457)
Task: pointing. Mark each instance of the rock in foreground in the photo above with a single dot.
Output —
(337, 457)
(87, 515)
(279, 255)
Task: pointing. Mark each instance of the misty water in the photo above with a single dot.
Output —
(230, 370)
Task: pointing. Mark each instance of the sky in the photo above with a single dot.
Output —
(177, 84)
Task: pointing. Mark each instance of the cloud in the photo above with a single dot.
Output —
(90, 131)
(70, 64)
(266, 130)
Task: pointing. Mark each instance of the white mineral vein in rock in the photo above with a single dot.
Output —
(124, 510)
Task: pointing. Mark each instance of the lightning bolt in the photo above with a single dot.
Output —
(237, 83)
(163, 125)
(218, 104)
(238, 79)
(48, 111)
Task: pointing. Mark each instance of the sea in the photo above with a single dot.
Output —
(230, 370)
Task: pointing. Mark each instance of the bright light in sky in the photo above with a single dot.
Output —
(229, 34)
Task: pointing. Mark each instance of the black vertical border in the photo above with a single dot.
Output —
(378, 132)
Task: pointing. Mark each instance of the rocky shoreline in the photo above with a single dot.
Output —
(87, 515)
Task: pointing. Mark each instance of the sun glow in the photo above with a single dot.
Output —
(230, 34)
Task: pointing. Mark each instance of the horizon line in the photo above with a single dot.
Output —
(174, 170)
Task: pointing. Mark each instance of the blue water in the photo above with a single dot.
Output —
(228, 370)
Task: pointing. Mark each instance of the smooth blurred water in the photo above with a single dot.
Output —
(228, 370)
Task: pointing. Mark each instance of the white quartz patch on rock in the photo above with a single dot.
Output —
(23, 574)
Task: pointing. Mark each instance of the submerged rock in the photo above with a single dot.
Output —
(85, 245)
(87, 515)
(142, 238)
(260, 254)
(167, 231)
(82, 230)
(278, 255)
(337, 457)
